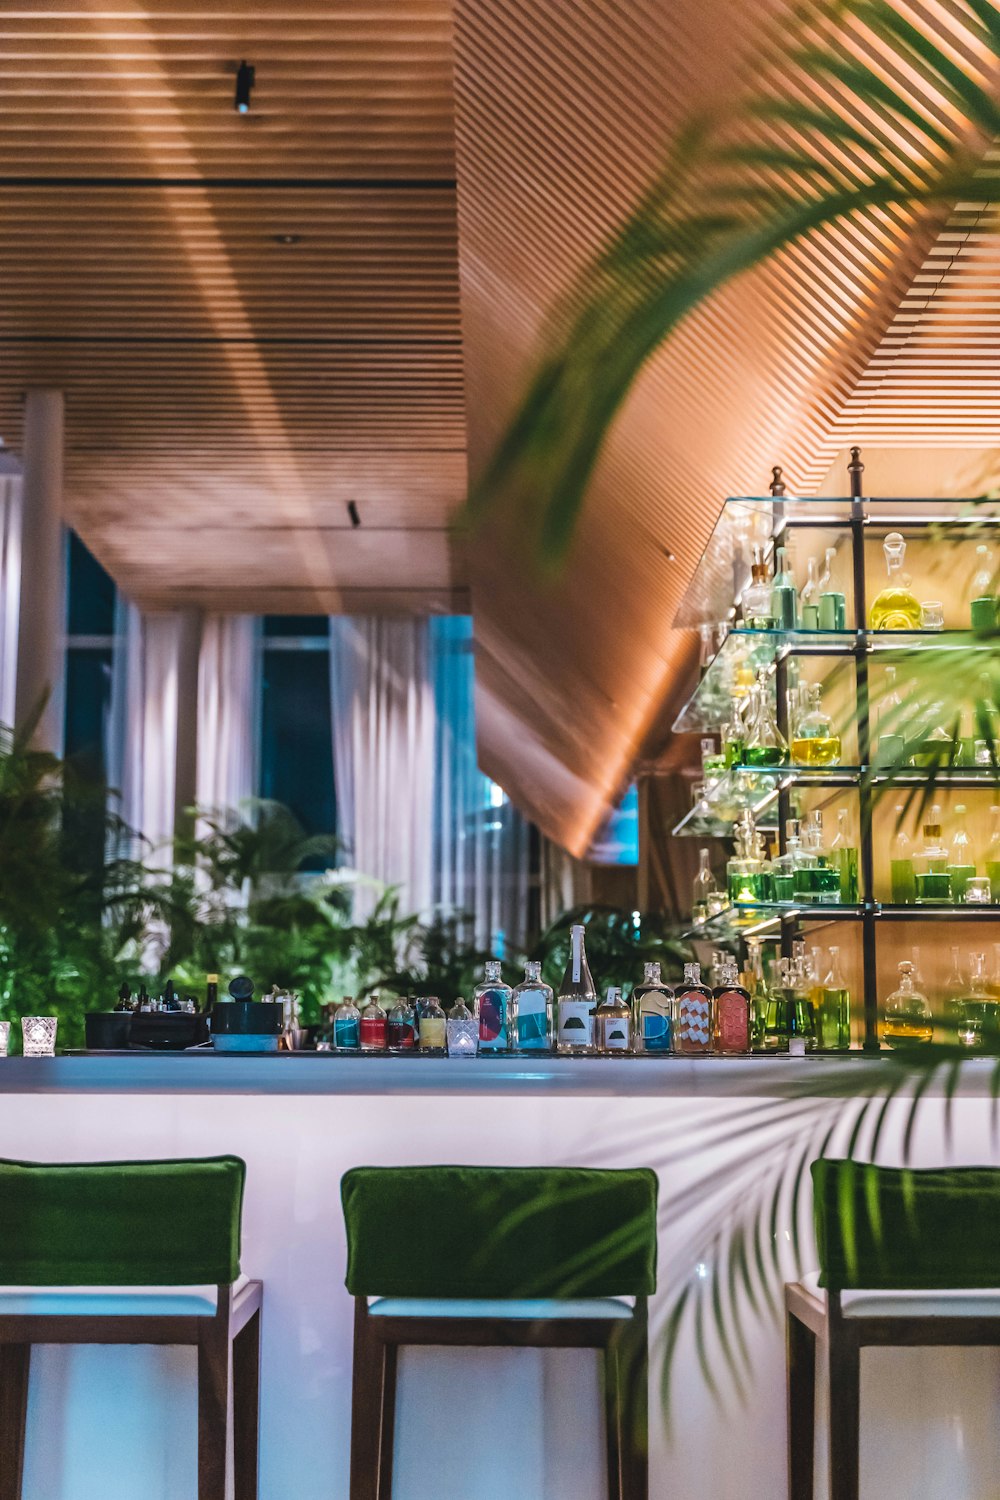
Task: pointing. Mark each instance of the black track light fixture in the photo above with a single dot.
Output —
(245, 79)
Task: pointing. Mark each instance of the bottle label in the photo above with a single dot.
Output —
(401, 1035)
(733, 1017)
(346, 1033)
(655, 1032)
(492, 1022)
(373, 1031)
(532, 1022)
(617, 1034)
(576, 1023)
(577, 956)
(432, 1031)
(694, 1023)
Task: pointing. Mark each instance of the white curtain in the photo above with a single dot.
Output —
(383, 748)
(143, 762)
(228, 676)
(10, 588)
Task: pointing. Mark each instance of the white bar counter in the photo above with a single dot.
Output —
(492, 1424)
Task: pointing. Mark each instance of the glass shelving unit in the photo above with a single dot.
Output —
(712, 598)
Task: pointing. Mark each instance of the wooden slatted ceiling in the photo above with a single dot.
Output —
(227, 392)
(561, 113)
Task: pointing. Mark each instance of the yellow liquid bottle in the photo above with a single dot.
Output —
(896, 607)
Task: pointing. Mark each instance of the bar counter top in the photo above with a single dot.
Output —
(320, 1073)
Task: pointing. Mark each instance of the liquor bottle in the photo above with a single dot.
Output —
(705, 893)
(374, 1027)
(906, 1016)
(815, 743)
(896, 607)
(492, 1006)
(955, 989)
(401, 1028)
(732, 1032)
(531, 1011)
(784, 595)
(613, 1023)
(577, 1000)
(347, 1026)
(835, 1006)
(653, 1009)
(765, 745)
(930, 867)
(844, 854)
(463, 1031)
(983, 602)
(993, 857)
(431, 1027)
(902, 879)
(809, 598)
(694, 1013)
(756, 599)
(961, 864)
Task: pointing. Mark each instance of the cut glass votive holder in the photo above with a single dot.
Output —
(38, 1035)
(4, 1037)
(978, 891)
(463, 1037)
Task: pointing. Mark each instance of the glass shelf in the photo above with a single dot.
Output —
(724, 569)
(756, 788)
(950, 913)
(761, 916)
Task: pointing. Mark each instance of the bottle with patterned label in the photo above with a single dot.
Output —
(492, 1005)
(653, 1010)
(732, 1012)
(694, 1013)
(531, 1011)
(577, 1000)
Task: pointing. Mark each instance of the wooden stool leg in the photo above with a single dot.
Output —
(246, 1409)
(372, 1410)
(613, 1403)
(213, 1410)
(845, 1411)
(390, 1355)
(634, 1385)
(800, 1343)
(15, 1363)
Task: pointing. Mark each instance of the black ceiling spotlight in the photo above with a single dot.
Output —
(353, 512)
(245, 79)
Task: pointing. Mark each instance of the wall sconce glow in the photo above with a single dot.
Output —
(246, 77)
(497, 795)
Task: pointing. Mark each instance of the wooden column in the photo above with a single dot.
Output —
(41, 616)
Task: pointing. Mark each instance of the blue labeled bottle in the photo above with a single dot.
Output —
(492, 1005)
(347, 1027)
(653, 1009)
(531, 1011)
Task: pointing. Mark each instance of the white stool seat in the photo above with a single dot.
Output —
(112, 1301)
(529, 1309)
(958, 1303)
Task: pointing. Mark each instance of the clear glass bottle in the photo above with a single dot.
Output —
(432, 1028)
(759, 995)
(783, 868)
(705, 892)
(896, 607)
(826, 576)
(844, 854)
(979, 1027)
(819, 880)
(784, 595)
(732, 1025)
(734, 735)
(743, 876)
(347, 1026)
(902, 878)
(694, 1014)
(835, 1006)
(401, 1028)
(930, 866)
(532, 1011)
(995, 978)
(577, 1000)
(613, 1023)
(993, 856)
(492, 1006)
(653, 1009)
(983, 603)
(809, 598)
(961, 863)
(463, 1031)
(955, 990)
(756, 599)
(906, 1015)
(374, 1027)
(713, 762)
(815, 743)
(765, 745)
(890, 749)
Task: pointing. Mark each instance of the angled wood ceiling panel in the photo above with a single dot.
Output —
(561, 114)
(255, 319)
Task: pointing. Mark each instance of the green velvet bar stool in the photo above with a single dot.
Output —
(132, 1253)
(529, 1257)
(908, 1258)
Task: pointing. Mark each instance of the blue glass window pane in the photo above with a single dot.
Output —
(88, 704)
(90, 593)
(285, 625)
(297, 736)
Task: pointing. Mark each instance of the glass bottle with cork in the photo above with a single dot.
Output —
(653, 1011)
(432, 1034)
(577, 1000)
(531, 1011)
(815, 743)
(756, 599)
(896, 607)
(374, 1026)
(613, 1023)
(731, 1012)
(492, 1006)
(694, 1014)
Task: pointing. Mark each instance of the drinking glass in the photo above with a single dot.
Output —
(977, 891)
(4, 1037)
(38, 1034)
(932, 615)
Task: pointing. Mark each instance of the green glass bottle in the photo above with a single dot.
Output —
(903, 880)
(835, 1007)
(961, 864)
(993, 857)
(845, 856)
(784, 595)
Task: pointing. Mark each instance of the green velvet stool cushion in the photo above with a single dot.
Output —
(891, 1227)
(130, 1223)
(507, 1232)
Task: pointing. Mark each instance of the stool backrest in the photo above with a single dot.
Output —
(897, 1228)
(500, 1232)
(129, 1223)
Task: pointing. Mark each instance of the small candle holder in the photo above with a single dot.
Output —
(978, 891)
(4, 1037)
(463, 1031)
(38, 1035)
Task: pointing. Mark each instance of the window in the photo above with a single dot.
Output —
(90, 640)
(296, 759)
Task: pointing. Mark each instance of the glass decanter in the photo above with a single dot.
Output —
(844, 854)
(933, 878)
(896, 607)
(961, 862)
(890, 749)
(734, 735)
(809, 598)
(784, 595)
(979, 1023)
(815, 743)
(783, 867)
(901, 874)
(906, 1016)
(756, 600)
(955, 989)
(705, 893)
(765, 744)
(532, 1011)
(821, 875)
(835, 1006)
